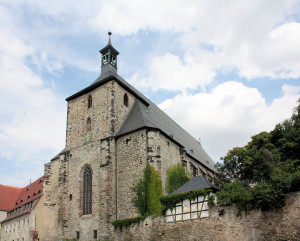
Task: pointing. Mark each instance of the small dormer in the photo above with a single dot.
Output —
(109, 57)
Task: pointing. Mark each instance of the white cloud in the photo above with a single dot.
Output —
(168, 72)
(259, 38)
(32, 122)
(229, 115)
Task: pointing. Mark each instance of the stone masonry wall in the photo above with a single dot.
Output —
(282, 224)
(107, 114)
(133, 150)
(164, 153)
(95, 148)
(52, 195)
(131, 161)
(120, 110)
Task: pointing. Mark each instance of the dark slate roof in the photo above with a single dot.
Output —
(144, 113)
(195, 183)
(57, 156)
(152, 116)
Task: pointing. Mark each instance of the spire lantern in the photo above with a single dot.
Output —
(109, 57)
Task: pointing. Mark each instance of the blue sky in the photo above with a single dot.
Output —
(224, 70)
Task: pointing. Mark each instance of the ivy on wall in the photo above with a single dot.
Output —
(170, 201)
(176, 177)
(127, 222)
(148, 191)
(146, 200)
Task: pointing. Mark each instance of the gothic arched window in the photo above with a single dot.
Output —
(90, 102)
(88, 124)
(125, 100)
(87, 191)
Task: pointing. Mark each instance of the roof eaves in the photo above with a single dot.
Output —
(103, 81)
(57, 156)
(109, 46)
(206, 165)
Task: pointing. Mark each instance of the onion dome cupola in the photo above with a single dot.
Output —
(109, 57)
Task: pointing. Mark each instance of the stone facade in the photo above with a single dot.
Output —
(116, 164)
(116, 161)
(19, 228)
(222, 225)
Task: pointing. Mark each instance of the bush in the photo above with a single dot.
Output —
(295, 182)
(211, 201)
(235, 192)
(176, 177)
(267, 196)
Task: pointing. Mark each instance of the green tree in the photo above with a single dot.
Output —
(235, 192)
(148, 191)
(176, 177)
(268, 166)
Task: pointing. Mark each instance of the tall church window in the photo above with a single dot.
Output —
(126, 100)
(87, 191)
(88, 124)
(90, 102)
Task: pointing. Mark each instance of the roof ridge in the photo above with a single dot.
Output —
(10, 186)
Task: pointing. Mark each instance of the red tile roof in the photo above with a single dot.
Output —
(30, 193)
(25, 200)
(8, 196)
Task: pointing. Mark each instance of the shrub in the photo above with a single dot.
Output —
(235, 192)
(267, 196)
(176, 177)
(211, 201)
(295, 182)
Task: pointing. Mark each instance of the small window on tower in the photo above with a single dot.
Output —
(88, 124)
(90, 101)
(126, 100)
(105, 59)
(113, 60)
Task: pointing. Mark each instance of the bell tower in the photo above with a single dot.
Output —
(109, 57)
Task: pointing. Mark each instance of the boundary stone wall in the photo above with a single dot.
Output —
(223, 224)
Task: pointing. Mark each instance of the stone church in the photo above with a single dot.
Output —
(113, 130)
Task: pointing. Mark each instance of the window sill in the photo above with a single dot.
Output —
(86, 216)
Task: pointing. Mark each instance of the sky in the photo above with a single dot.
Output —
(223, 70)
